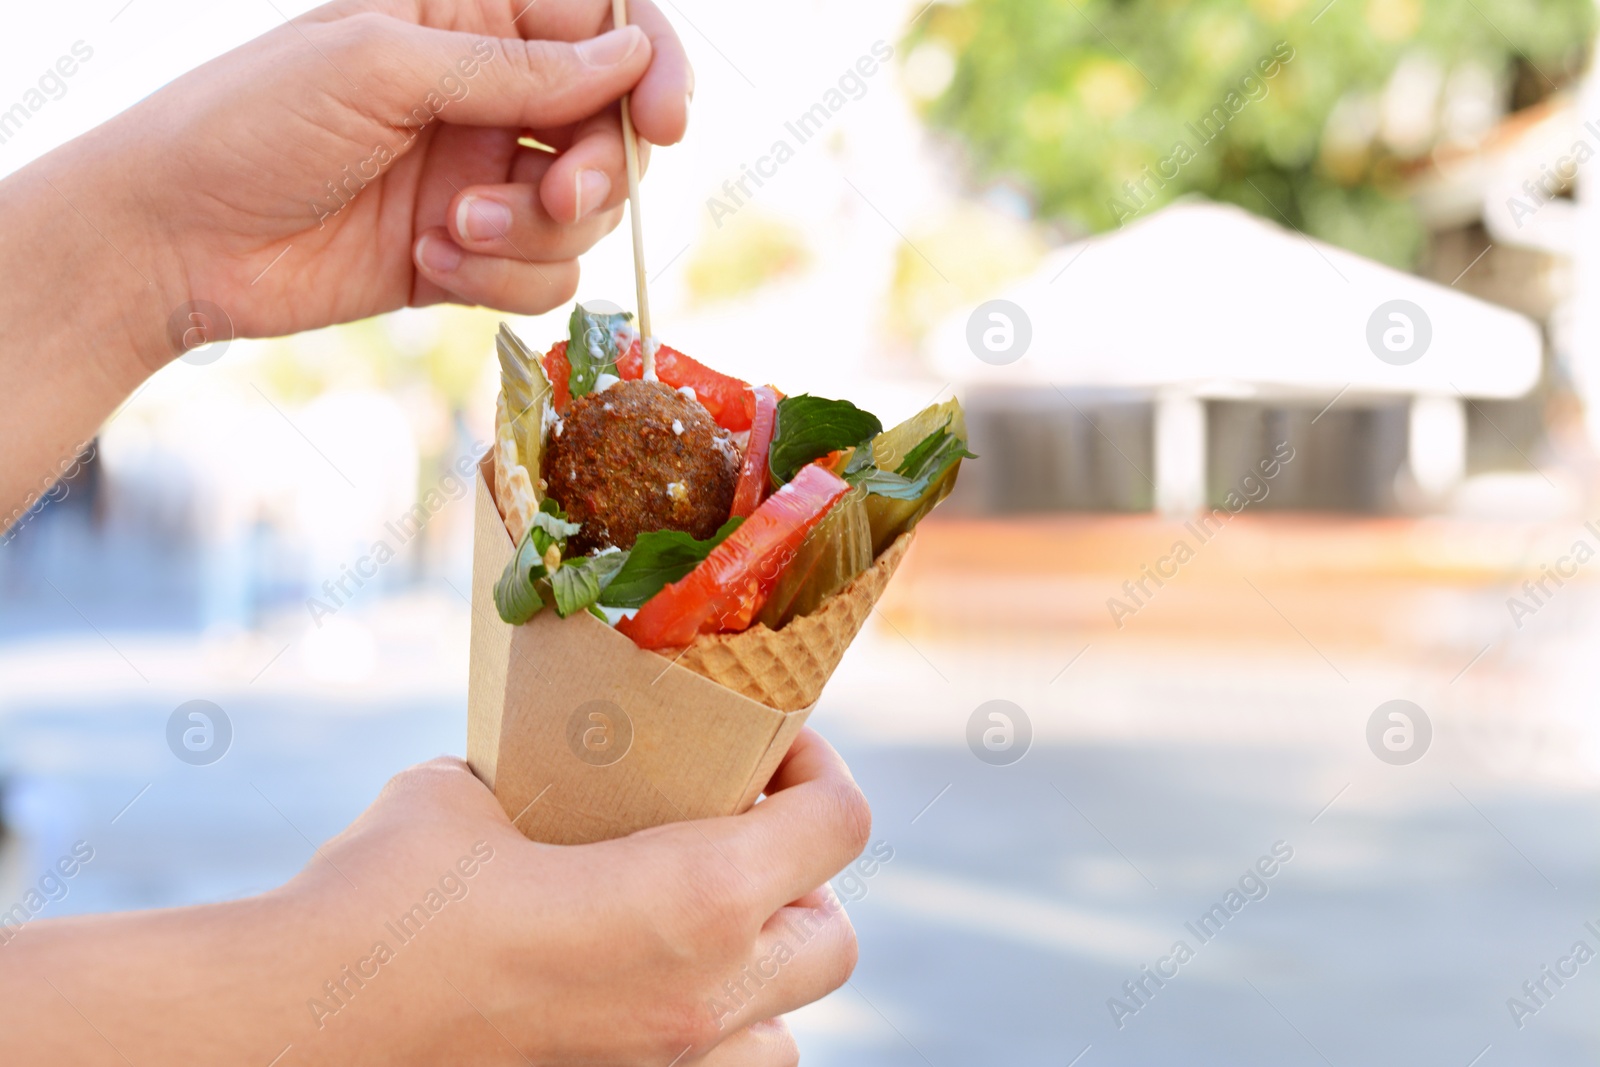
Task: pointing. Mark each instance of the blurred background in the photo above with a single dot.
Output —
(1309, 288)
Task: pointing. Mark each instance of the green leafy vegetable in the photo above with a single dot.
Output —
(578, 583)
(515, 597)
(592, 346)
(923, 465)
(553, 523)
(809, 427)
(657, 560)
(913, 449)
(518, 594)
(528, 393)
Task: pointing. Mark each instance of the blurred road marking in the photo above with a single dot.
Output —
(1034, 922)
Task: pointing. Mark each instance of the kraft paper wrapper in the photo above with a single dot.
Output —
(698, 748)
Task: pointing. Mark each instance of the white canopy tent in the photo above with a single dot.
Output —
(1203, 301)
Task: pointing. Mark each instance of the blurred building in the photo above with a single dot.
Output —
(1156, 367)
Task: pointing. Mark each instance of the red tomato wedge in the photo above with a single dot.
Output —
(727, 589)
(726, 398)
(559, 371)
(752, 485)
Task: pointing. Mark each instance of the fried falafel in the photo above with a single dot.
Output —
(639, 457)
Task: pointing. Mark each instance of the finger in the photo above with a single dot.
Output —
(660, 101)
(512, 285)
(765, 1044)
(592, 174)
(801, 955)
(497, 81)
(510, 221)
(813, 821)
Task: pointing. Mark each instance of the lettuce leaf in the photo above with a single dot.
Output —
(592, 346)
(809, 427)
(658, 559)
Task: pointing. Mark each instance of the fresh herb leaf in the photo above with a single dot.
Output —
(933, 455)
(556, 526)
(578, 583)
(657, 560)
(925, 464)
(515, 597)
(809, 427)
(592, 346)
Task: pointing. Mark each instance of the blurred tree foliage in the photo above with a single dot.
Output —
(1077, 97)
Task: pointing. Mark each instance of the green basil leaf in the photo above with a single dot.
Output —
(515, 597)
(657, 560)
(809, 427)
(592, 347)
(578, 583)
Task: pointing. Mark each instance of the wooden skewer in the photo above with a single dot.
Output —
(630, 148)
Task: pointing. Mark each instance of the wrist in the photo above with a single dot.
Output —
(94, 277)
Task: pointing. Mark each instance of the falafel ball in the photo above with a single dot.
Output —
(640, 456)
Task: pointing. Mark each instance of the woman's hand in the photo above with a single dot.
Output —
(365, 157)
(361, 158)
(431, 931)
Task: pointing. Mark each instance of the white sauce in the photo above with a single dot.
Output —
(677, 427)
(605, 381)
(688, 391)
(678, 491)
(651, 345)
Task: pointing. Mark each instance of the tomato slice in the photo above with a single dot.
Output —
(752, 485)
(559, 371)
(725, 397)
(727, 589)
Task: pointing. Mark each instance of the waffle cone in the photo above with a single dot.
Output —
(786, 669)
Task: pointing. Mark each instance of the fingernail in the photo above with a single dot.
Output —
(438, 255)
(591, 189)
(609, 49)
(688, 109)
(478, 219)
